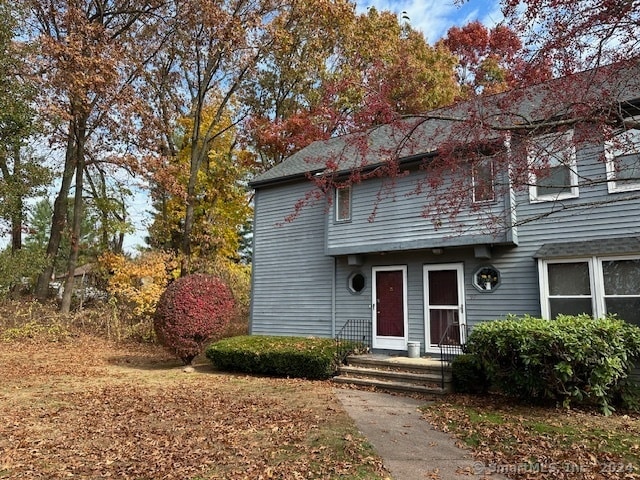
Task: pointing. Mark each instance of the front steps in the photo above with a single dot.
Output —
(400, 374)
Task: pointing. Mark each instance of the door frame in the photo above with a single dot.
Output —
(389, 343)
(429, 267)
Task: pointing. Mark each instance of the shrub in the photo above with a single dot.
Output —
(137, 283)
(312, 358)
(191, 312)
(468, 375)
(19, 269)
(569, 359)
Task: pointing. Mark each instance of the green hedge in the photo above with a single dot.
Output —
(300, 357)
(569, 359)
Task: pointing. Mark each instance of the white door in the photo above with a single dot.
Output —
(444, 304)
(389, 306)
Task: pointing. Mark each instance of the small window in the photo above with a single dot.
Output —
(343, 204)
(622, 155)
(552, 163)
(356, 283)
(482, 178)
(486, 278)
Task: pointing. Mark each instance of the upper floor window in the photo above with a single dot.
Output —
(552, 162)
(343, 203)
(483, 180)
(622, 155)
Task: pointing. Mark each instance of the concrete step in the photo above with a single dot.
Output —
(390, 386)
(422, 375)
(423, 379)
(415, 365)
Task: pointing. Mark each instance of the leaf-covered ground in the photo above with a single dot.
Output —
(528, 442)
(82, 407)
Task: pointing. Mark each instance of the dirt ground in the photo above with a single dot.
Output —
(87, 408)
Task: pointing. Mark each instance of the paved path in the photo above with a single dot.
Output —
(410, 448)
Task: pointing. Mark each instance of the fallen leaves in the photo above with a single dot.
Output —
(526, 442)
(90, 409)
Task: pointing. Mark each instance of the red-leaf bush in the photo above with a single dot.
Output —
(191, 312)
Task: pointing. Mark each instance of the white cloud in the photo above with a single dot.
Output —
(434, 17)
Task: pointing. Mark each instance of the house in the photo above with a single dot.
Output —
(561, 237)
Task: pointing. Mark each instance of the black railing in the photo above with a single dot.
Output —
(353, 337)
(451, 343)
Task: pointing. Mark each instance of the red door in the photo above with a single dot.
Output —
(389, 308)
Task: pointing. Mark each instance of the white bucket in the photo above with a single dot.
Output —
(413, 349)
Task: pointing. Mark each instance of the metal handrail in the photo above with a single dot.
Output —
(451, 344)
(353, 337)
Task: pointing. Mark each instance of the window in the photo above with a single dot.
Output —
(356, 282)
(486, 278)
(343, 203)
(482, 178)
(552, 163)
(597, 286)
(622, 155)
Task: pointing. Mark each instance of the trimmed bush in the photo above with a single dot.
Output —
(312, 358)
(468, 375)
(192, 312)
(569, 359)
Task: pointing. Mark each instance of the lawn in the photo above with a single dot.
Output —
(83, 407)
(526, 441)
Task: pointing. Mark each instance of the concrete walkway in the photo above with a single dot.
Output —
(410, 448)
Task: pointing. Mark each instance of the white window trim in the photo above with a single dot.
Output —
(596, 281)
(610, 156)
(337, 201)
(573, 173)
(543, 279)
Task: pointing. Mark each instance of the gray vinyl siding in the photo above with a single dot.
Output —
(293, 270)
(292, 278)
(393, 220)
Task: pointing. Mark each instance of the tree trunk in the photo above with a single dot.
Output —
(67, 295)
(59, 216)
(17, 209)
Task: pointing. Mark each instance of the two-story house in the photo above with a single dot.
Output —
(550, 224)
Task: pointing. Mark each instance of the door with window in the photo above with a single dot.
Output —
(389, 306)
(444, 304)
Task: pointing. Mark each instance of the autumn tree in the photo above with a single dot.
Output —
(214, 48)
(22, 174)
(490, 60)
(321, 82)
(576, 35)
(89, 56)
(222, 202)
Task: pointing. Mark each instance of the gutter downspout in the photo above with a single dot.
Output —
(333, 298)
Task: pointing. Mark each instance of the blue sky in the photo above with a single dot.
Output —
(434, 17)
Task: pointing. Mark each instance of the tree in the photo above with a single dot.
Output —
(21, 173)
(355, 80)
(38, 231)
(490, 60)
(215, 47)
(576, 35)
(221, 206)
(90, 55)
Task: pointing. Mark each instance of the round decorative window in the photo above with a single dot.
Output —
(356, 282)
(486, 278)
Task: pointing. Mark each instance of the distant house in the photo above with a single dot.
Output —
(84, 284)
(565, 243)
